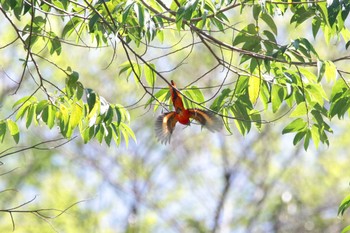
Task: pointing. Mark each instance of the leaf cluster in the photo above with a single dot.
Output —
(77, 108)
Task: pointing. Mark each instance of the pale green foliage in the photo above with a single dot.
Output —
(261, 55)
(264, 76)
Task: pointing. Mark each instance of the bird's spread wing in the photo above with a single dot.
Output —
(206, 119)
(165, 125)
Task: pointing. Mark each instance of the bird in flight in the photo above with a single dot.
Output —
(165, 123)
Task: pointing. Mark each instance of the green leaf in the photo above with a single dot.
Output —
(242, 121)
(327, 33)
(271, 37)
(87, 134)
(51, 116)
(321, 67)
(109, 115)
(256, 118)
(333, 11)
(338, 90)
(309, 46)
(122, 114)
(209, 5)
(248, 36)
(241, 85)
(91, 98)
(160, 96)
(150, 75)
(125, 68)
(256, 11)
(194, 94)
(126, 12)
(2, 130)
(307, 139)
(93, 20)
(322, 8)
(68, 131)
(140, 14)
(73, 78)
(116, 133)
(295, 126)
(339, 107)
(197, 94)
(13, 128)
(30, 115)
(346, 229)
(307, 74)
(99, 133)
(136, 69)
(301, 15)
(29, 99)
(240, 38)
(179, 17)
(41, 106)
(54, 44)
(225, 120)
(315, 93)
(108, 135)
(298, 137)
(265, 94)
(22, 110)
(129, 131)
(71, 26)
(126, 131)
(278, 94)
(270, 22)
(220, 100)
(61, 4)
(217, 23)
(185, 12)
(80, 91)
(316, 23)
(344, 205)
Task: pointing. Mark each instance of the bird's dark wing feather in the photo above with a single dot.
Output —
(164, 126)
(206, 119)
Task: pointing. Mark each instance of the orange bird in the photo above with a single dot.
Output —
(166, 122)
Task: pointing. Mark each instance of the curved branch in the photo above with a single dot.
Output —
(5, 153)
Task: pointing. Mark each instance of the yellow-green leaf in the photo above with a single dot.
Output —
(330, 71)
(315, 135)
(253, 88)
(22, 110)
(51, 116)
(300, 110)
(13, 128)
(150, 75)
(64, 113)
(76, 115)
(297, 125)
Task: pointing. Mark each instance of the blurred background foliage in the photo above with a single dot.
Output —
(201, 182)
